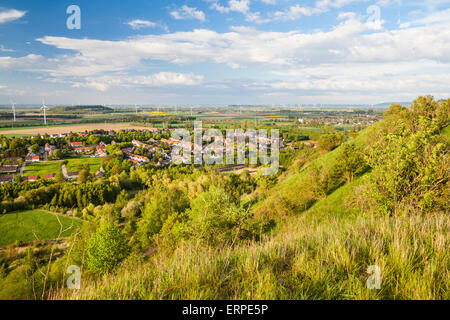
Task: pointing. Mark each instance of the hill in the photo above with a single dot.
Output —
(378, 200)
(94, 109)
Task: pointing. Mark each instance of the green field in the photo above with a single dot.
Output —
(74, 164)
(24, 224)
(42, 168)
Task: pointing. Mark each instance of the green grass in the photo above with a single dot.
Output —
(19, 226)
(42, 168)
(74, 164)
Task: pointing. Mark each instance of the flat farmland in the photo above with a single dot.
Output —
(72, 128)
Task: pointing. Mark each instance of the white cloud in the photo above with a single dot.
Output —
(139, 24)
(3, 49)
(186, 12)
(242, 6)
(11, 15)
(161, 79)
(348, 58)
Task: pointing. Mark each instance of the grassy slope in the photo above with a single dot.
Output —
(21, 225)
(323, 253)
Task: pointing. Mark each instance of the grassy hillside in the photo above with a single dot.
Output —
(323, 253)
(80, 110)
(23, 226)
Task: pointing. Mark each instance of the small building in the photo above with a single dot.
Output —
(76, 144)
(31, 178)
(32, 158)
(72, 175)
(8, 169)
(100, 173)
(83, 150)
(100, 152)
(5, 178)
(135, 157)
(50, 176)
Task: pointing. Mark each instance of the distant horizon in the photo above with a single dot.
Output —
(207, 52)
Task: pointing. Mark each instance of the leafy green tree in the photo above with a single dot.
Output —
(106, 249)
(351, 161)
(215, 219)
(83, 176)
(34, 148)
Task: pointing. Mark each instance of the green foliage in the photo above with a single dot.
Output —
(330, 141)
(163, 202)
(106, 249)
(26, 225)
(409, 161)
(215, 220)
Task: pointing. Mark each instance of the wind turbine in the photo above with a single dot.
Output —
(44, 107)
(13, 106)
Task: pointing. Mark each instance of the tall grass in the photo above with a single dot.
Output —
(311, 257)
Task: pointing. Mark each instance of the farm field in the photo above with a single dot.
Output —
(71, 128)
(74, 164)
(42, 168)
(21, 225)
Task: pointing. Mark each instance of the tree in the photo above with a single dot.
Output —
(351, 161)
(330, 141)
(59, 177)
(93, 139)
(57, 154)
(215, 219)
(34, 148)
(106, 249)
(83, 176)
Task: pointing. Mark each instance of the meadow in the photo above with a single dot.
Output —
(42, 168)
(77, 163)
(25, 226)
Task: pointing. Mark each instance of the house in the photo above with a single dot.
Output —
(139, 159)
(32, 158)
(31, 178)
(50, 149)
(139, 144)
(72, 175)
(127, 150)
(170, 141)
(83, 150)
(5, 178)
(76, 144)
(100, 173)
(100, 152)
(8, 169)
(50, 176)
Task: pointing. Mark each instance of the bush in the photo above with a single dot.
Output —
(106, 249)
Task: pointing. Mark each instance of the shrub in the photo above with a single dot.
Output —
(106, 249)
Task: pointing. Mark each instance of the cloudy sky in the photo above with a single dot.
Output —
(224, 51)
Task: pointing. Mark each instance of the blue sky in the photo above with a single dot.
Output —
(224, 51)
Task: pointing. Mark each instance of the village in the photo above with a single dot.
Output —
(68, 151)
(47, 160)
